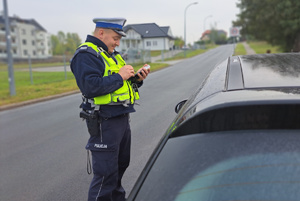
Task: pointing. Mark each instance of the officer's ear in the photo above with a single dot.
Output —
(99, 33)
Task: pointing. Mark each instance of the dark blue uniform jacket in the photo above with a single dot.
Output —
(88, 71)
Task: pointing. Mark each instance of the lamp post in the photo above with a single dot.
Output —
(11, 78)
(205, 22)
(185, 26)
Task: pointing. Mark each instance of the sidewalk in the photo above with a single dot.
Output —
(249, 50)
(52, 69)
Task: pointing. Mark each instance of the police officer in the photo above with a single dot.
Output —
(108, 97)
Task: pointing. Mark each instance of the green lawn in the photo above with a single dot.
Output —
(261, 47)
(44, 84)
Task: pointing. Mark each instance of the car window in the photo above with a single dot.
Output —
(246, 177)
(240, 165)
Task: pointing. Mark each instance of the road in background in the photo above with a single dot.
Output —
(42, 155)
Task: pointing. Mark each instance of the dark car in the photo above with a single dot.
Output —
(236, 138)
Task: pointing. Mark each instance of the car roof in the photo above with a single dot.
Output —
(264, 71)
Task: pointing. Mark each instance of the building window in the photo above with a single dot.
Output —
(24, 42)
(148, 43)
(154, 43)
(33, 53)
(33, 43)
(25, 52)
(23, 31)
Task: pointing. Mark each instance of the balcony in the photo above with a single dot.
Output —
(4, 55)
(3, 44)
(40, 47)
(39, 37)
(3, 32)
(132, 37)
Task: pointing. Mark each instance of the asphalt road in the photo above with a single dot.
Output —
(42, 155)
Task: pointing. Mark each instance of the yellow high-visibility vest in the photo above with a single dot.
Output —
(128, 93)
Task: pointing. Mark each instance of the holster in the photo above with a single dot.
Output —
(93, 121)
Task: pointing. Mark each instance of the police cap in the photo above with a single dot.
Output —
(115, 24)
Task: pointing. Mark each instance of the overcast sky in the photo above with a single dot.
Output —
(76, 15)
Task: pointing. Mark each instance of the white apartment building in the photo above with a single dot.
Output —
(28, 38)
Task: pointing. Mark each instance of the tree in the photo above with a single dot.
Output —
(276, 21)
(221, 39)
(179, 42)
(61, 37)
(57, 48)
(72, 42)
(65, 43)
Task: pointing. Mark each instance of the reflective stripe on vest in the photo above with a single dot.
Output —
(124, 95)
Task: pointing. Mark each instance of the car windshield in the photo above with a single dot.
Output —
(240, 165)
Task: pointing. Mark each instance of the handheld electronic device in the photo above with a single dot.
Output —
(135, 77)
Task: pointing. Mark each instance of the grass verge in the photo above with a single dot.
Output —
(240, 49)
(44, 84)
(261, 47)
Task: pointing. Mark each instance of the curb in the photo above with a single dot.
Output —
(29, 102)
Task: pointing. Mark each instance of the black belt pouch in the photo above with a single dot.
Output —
(93, 124)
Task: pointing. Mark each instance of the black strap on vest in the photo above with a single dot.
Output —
(88, 49)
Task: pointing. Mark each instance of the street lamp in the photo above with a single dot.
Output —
(11, 78)
(185, 26)
(205, 21)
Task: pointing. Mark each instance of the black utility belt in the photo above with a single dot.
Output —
(86, 114)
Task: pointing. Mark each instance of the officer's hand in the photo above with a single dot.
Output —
(144, 73)
(126, 72)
